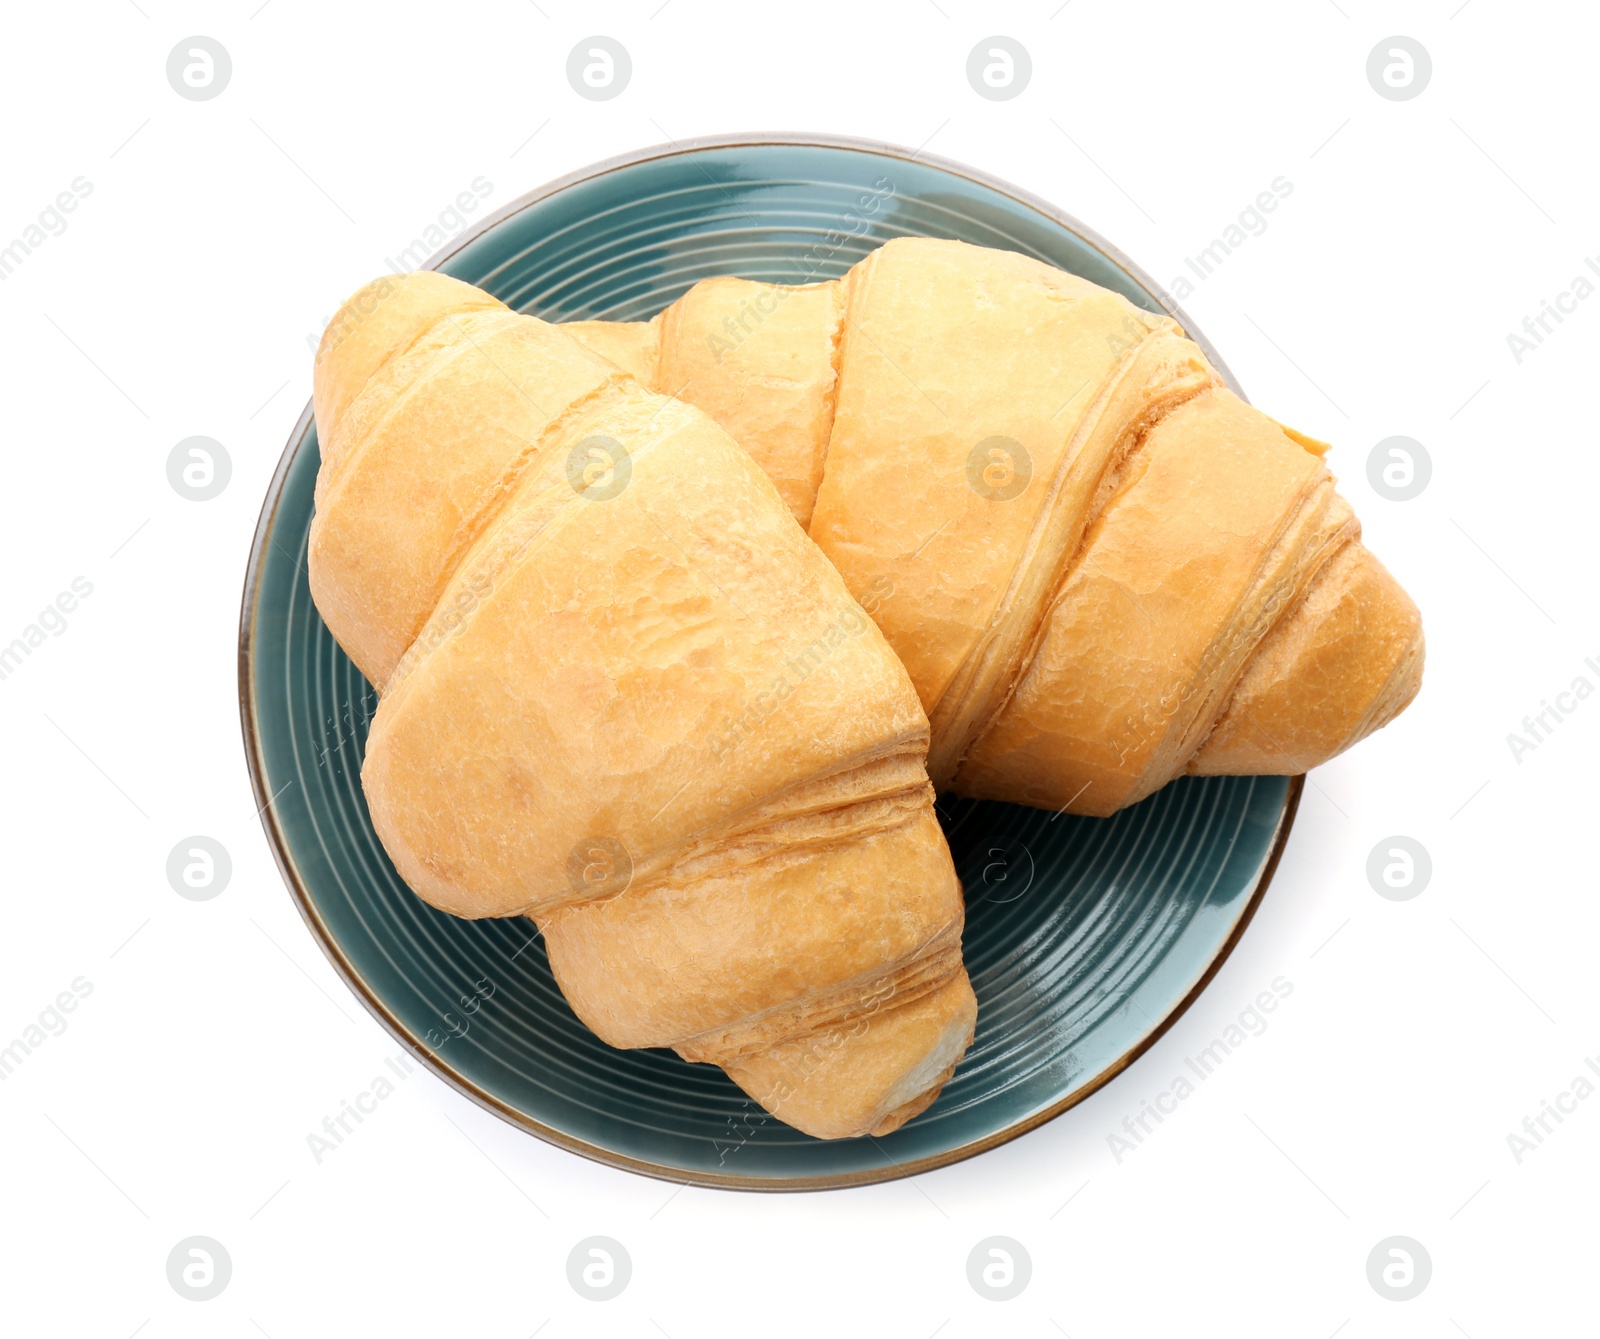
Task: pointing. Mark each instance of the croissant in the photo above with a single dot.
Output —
(1101, 568)
(563, 585)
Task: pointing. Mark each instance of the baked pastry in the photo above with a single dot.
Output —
(622, 693)
(1101, 568)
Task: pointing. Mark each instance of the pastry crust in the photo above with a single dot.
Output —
(624, 694)
(1101, 568)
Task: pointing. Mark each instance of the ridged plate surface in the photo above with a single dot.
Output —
(1085, 937)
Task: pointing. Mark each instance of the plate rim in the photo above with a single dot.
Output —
(884, 148)
(289, 870)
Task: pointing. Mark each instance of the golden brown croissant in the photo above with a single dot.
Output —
(563, 586)
(1101, 567)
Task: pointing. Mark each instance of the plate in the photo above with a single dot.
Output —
(1085, 937)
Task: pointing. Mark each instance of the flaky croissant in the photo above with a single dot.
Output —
(563, 585)
(1101, 567)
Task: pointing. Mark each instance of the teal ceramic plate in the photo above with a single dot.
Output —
(1085, 937)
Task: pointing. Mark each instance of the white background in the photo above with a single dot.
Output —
(219, 235)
